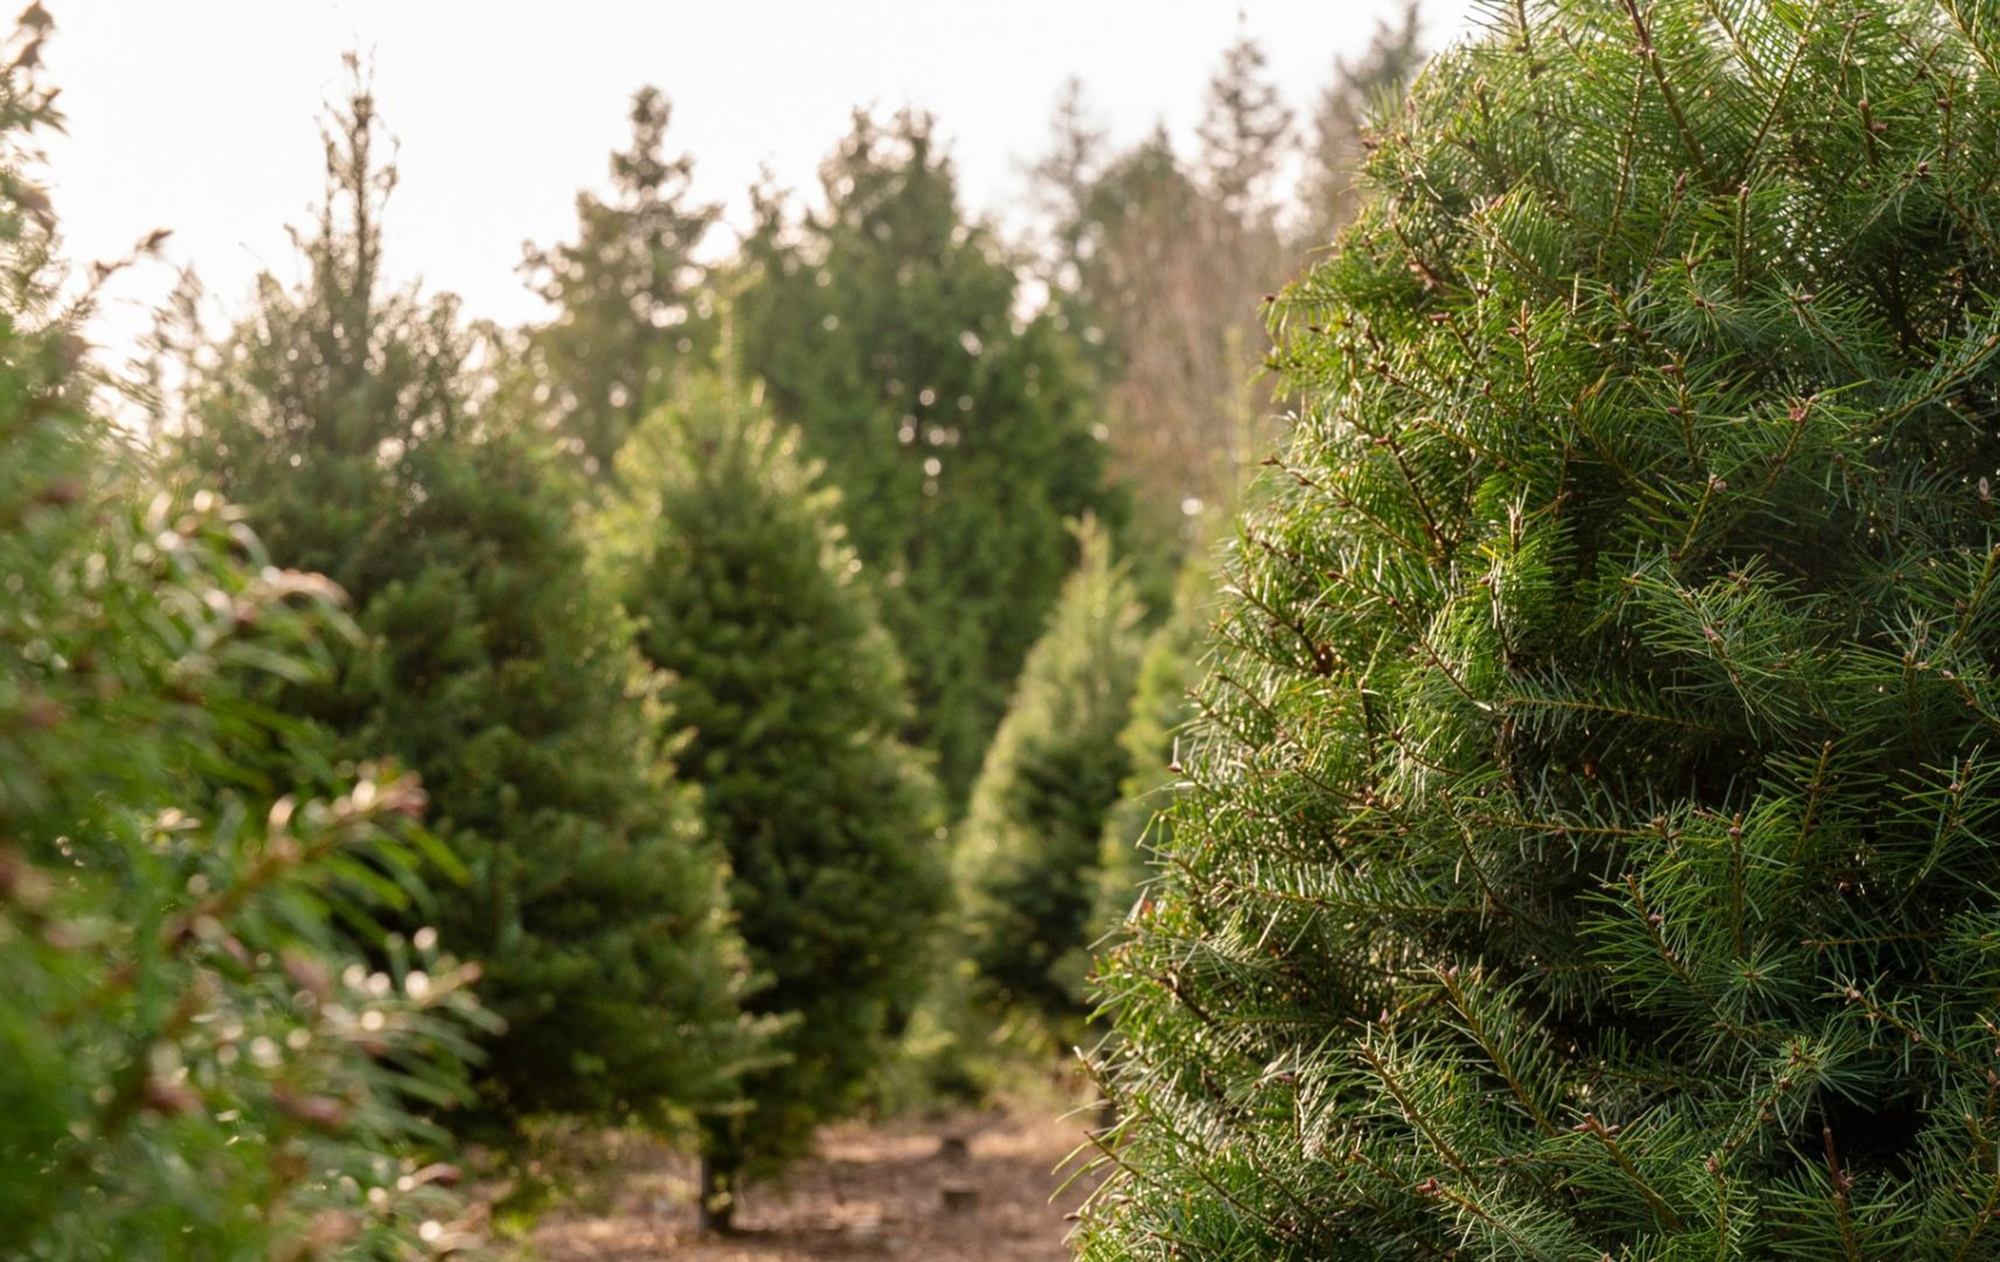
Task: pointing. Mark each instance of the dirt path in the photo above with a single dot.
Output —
(869, 1192)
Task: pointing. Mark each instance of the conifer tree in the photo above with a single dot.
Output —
(726, 549)
(338, 416)
(1588, 850)
(1331, 188)
(1028, 850)
(885, 328)
(197, 1060)
(1245, 129)
(1169, 668)
(627, 292)
(1161, 263)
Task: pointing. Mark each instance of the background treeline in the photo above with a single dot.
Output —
(762, 668)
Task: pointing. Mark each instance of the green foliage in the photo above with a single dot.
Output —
(338, 415)
(887, 329)
(726, 550)
(1028, 850)
(1169, 669)
(628, 294)
(198, 1062)
(1588, 846)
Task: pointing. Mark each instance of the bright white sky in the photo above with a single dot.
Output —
(201, 115)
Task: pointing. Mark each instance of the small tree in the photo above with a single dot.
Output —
(1028, 850)
(1589, 846)
(338, 414)
(793, 697)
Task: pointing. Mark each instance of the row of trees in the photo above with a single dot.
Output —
(685, 620)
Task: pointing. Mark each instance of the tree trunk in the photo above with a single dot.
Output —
(717, 1203)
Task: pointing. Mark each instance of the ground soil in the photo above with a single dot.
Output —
(868, 1192)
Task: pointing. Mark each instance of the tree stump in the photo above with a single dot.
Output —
(959, 1198)
(954, 1148)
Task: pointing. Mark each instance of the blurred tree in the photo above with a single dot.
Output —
(1160, 266)
(887, 328)
(197, 1062)
(1028, 850)
(1246, 133)
(725, 547)
(1162, 705)
(1332, 186)
(628, 295)
(337, 415)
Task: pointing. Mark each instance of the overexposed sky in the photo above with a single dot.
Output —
(201, 116)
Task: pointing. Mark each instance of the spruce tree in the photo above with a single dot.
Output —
(338, 416)
(1588, 848)
(627, 292)
(1028, 850)
(198, 1062)
(887, 328)
(725, 548)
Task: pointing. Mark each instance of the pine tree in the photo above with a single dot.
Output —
(1028, 850)
(725, 548)
(338, 416)
(887, 329)
(197, 1060)
(627, 292)
(1588, 845)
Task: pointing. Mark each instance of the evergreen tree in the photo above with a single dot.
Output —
(197, 1061)
(1245, 130)
(887, 329)
(1588, 849)
(627, 292)
(1169, 669)
(751, 602)
(337, 415)
(1339, 145)
(1028, 850)
(1161, 264)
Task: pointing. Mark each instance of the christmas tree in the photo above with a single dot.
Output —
(189, 1021)
(1587, 850)
(630, 307)
(339, 415)
(1028, 850)
(725, 547)
(887, 329)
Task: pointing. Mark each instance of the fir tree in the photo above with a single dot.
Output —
(1028, 849)
(187, 1025)
(1588, 849)
(725, 547)
(627, 292)
(886, 328)
(337, 415)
